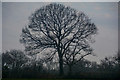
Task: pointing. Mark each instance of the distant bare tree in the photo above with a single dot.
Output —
(57, 27)
(118, 57)
(117, 60)
(14, 58)
(76, 53)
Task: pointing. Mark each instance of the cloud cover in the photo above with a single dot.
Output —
(104, 15)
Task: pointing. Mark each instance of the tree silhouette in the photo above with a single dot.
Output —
(57, 27)
(12, 62)
(76, 53)
(14, 58)
(108, 63)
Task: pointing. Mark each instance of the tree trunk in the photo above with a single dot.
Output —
(70, 70)
(61, 72)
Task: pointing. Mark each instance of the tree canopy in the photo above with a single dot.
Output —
(60, 28)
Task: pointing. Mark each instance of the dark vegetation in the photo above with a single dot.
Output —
(57, 40)
(17, 65)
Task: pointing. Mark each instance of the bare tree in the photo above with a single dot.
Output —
(117, 60)
(118, 57)
(76, 53)
(14, 58)
(57, 27)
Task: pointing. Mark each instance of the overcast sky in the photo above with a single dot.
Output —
(60, 0)
(104, 15)
(0, 27)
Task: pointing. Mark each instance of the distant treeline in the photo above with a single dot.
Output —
(15, 64)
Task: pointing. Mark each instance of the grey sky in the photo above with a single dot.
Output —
(0, 27)
(60, 0)
(0, 40)
(104, 15)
